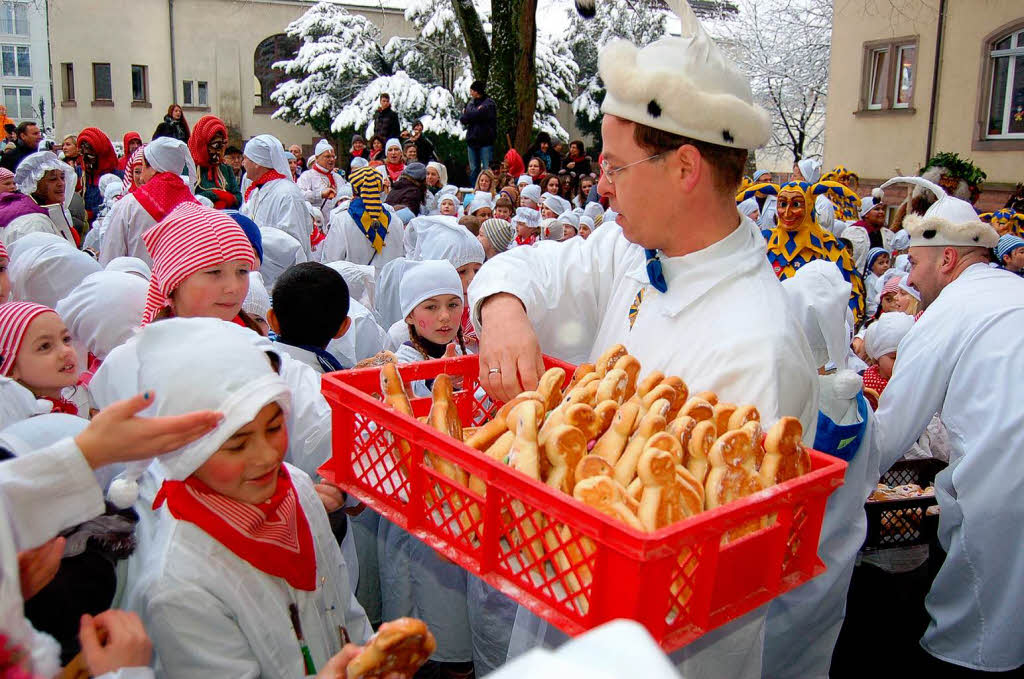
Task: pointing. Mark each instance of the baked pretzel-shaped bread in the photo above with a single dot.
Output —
(393, 389)
(550, 388)
(605, 412)
(591, 465)
(564, 448)
(609, 358)
(582, 370)
(379, 359)
(709, 396)
(613, 385)
(649, 382)
(666, 499)
(613, 441)
(682, 428)
(485, 435)
(444, 417)
(608, 497)
(702, 438)
(525, 453)
(400, 646)
(742, 415)
(698, 408)
(785, 457)
(733, 475)
(723, 411)
(652, 423)
(682, 394)
(631, 366)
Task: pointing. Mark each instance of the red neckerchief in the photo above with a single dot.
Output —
(329, 175)
(161, 194)
(394, 171)
(874, 380)
(316, 237)
(468, 331)
(86, 375)
(529, 240)
(274, 536)
(268, 176)
(62, 405)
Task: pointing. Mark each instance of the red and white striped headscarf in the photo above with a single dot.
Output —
(128, 181)
(3, 255)
(15, 317)
(191, 238)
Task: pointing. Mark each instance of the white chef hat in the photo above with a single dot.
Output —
(359, 162)
(684, 85)
(593, 210)
(810, 168)
(322, 146)
(884, 335)
(528, 216)
(524, 180)
(948, 221)
(200, 364)
(551, 229)
(32, 168)
(131, 265)
(280, 251)
(449, 196)
(556, 204)
(531, 192)
(266, 150)
(570, 218)
(392, 142)
(427, 279)
(585, 220)
(46, 273)
(444, 238)
(477, 204)
(167, 154)
(901, 241)
(104, 310)
(257, 300)
(818, 296)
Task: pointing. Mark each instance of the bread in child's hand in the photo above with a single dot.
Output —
(399, 647)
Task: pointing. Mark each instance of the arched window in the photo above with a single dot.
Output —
(1005, 118)
(275, 48)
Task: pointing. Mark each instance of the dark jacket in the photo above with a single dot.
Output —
(11, 159)
(407, 192)
(424, 149)
(179, 129)
(386, 124)
(551, 159)
(481, 120)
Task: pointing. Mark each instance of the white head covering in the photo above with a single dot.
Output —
(444, 238)
(113, 191)
(524, 180)
(34, 434)
(551, 229)
(266, 150)
(810, 168)
(361, 280)
(359, 162)
(443, 196)
(257, 300)
(132, 265)
(441, 170)
(392, 142)
(748, 207)
(570, 218)
(104, 310)
(47, 273)
(902, 262)
(593, 210)
(556, 204)
(32, 168)
(389, 284)
(867, 204)
(30, 241)
(18, 403)
(684, 85)
(901, 241)
(322, 146)
(477, 204)
(585, 220)
(280, 251)
(528, 216)
(108, 180)
(531, 192)
(819, 297)
(167, 154)
(884, 335)
(428, 279)
(948, 222)
(200, 364)
(904, 285)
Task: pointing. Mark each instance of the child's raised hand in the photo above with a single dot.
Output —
(117, 434)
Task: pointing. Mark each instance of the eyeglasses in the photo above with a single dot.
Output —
(610, 172)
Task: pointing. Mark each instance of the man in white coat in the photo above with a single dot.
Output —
(366, 231)
(964, 359)
(162, 191)
(320, 184)
(271, 197)
(681, 279)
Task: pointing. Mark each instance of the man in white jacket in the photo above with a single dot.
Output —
(320, 183)
(272, 198)
(963, 359)
(681, 280)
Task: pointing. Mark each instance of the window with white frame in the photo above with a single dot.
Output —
(888, 80)
(904, 80)
(19, 102)
(186, 92)
(202, 92)
(1006, 87)
(16, 61)
(13, 18)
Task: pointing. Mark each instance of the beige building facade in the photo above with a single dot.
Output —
(910, 78)
(119, 64)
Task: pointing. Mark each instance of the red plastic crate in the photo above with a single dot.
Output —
(564, 561)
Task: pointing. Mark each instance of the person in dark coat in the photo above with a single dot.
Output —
(27, 144)
(409, 190)
(175, 118)
(481, 120)
(386, 124)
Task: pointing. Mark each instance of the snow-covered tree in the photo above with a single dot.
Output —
(783, 46)
(639, 21)
(557, 73)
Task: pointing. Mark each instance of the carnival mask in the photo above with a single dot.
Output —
(215, 149)
(89, 158)
(791, 208)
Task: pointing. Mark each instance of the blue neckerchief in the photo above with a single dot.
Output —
(842, 440)
(328, 363)
(654, 272)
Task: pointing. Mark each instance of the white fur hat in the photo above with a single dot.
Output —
(684, 85)
(949, 222)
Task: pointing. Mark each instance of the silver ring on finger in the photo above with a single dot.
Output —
(494, 371)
